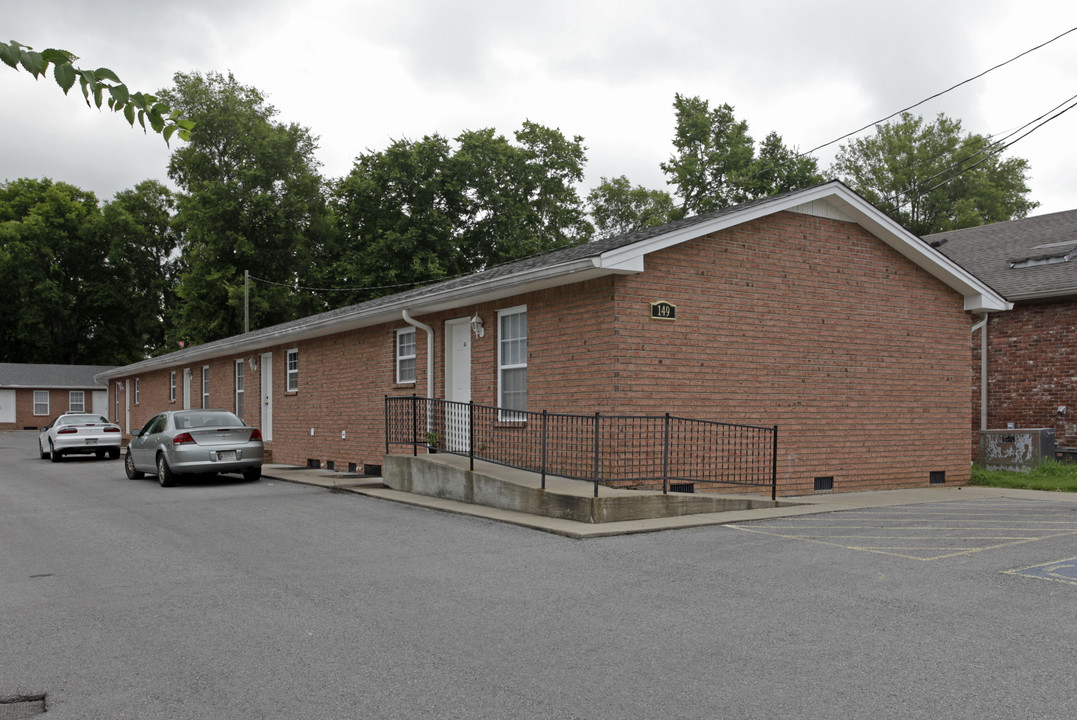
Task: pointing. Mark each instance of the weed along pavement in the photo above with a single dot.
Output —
(233, 600)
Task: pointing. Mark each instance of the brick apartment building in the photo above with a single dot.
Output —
(811, 311)
(1031, 351)
(31, 395)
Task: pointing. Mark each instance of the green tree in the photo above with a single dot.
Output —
(251, 200)
(424, 210)
(715, 163)
(397, 216)
(102, 85)
(777, 169)
(618, 208)
(521, 199)
(142, 248)
(932, 177)
(67, 299)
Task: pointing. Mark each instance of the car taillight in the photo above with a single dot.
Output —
(182, 439)
(67, 431)
(112, 429)
(256, 434)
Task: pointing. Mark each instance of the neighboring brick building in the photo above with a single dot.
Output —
(811, 310)
(31, 395)
(1031, 350)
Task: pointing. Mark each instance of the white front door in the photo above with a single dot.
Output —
(7, 406)
(187, 389)
(457, 383)
(267, 397)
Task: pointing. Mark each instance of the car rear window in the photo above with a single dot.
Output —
(83, 420)
(198, 419)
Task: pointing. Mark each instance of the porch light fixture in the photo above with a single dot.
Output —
(254, 365)
(476, 326)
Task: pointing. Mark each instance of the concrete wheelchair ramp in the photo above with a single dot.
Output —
(449, 477)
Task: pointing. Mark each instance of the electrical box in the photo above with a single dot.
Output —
(1015, 448)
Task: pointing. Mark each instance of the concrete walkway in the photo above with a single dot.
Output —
(805, 505)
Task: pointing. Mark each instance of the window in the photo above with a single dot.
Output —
(41, 402)
(136, 391)
(205, 386)
(292, 371)
(405, 355)
(239, 388)
(76, 401)
(172, 386)
(512, 361)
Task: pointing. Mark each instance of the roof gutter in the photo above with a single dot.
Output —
(982, 327)
(429, 350)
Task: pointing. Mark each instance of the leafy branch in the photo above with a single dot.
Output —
(102, 85)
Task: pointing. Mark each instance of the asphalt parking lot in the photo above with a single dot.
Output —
(234, 600)
(931, 532)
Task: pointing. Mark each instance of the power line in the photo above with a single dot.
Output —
(938, 94)
(988, 151)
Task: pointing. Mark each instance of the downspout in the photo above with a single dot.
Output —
(982, 327)
(429, 351)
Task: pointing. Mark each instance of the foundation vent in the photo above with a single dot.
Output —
(824, 483)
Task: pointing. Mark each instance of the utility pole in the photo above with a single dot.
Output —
(246, 301)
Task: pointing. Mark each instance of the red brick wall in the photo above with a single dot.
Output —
(860, 357)
(1032, 369)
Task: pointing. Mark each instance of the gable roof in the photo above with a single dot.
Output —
(1037, 246)
(623, 254)
(43, 377)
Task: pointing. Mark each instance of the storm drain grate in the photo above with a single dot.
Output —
(23, 706)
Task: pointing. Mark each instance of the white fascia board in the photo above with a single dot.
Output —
(979, 297)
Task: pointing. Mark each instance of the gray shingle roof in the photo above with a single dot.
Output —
(989, 251)
(30, 375)
(547, 260)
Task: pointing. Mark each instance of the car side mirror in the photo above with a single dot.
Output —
(136, 433)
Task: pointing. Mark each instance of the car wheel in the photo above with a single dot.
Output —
(54, 454)
(113, 453)
(129, 467)
(252, 474)
(165, 476)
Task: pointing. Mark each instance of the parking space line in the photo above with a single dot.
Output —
(926, 533)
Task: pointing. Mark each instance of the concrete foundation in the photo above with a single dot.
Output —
(449, 477)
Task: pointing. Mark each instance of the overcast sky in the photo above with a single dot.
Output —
(360, 74)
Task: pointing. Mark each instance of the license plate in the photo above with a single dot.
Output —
(91, 441)
(226, 455)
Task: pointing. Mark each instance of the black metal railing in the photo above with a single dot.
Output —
(640, 450)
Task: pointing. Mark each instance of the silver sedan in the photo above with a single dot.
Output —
(194, 442)
(79, 433)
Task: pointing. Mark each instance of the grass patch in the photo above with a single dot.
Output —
(1048, 475)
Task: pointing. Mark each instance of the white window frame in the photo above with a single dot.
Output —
(136, 391)
(172, 386)
(81, 394)
(37, 402)
(402, 376)
(240, 382)
(205, 387)
(503, 415)
(291, 370)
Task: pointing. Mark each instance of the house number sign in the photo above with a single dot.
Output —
(663, 311)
